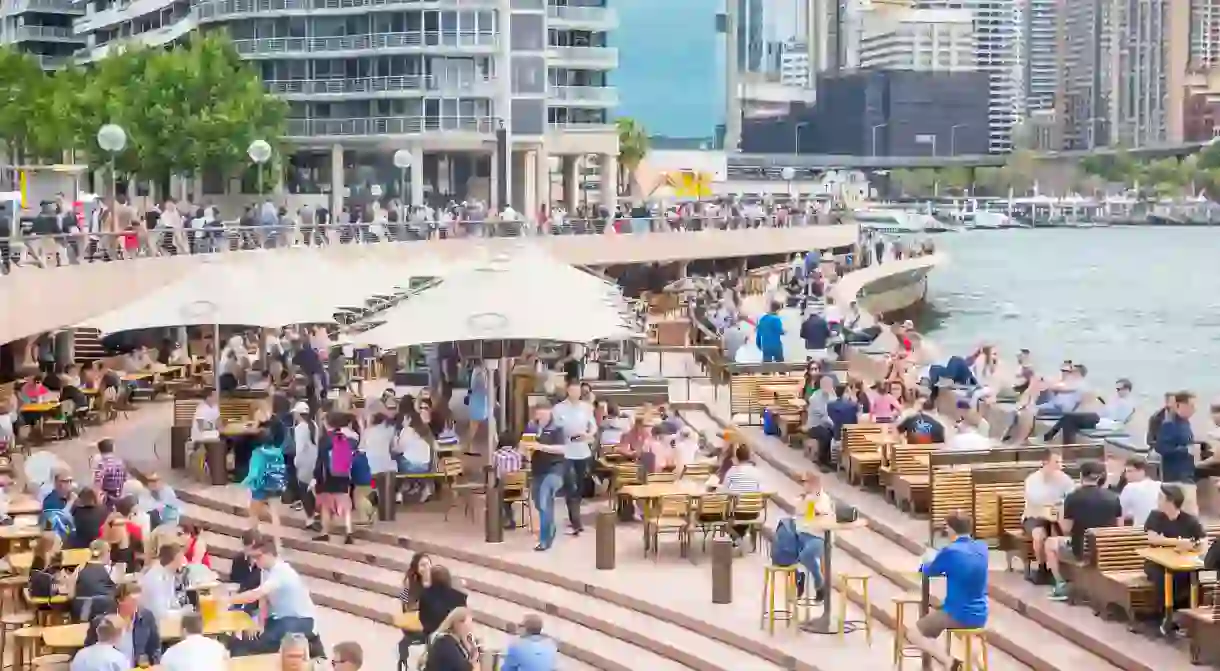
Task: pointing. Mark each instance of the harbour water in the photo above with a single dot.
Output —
(1142, 303)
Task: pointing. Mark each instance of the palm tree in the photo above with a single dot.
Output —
(632, 148)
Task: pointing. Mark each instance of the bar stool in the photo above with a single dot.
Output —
(27, 640)
(967, 638)
(10, 623)
(773, 578)
(10, 592)
(901, 651)
(846, 581)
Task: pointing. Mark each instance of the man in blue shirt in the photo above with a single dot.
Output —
(532, 651)
(769, 335)
(1173, 442)
(963, 563)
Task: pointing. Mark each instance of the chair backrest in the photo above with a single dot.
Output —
(515, 480)
(449, 466)
(184, 411)
(674, 505)
(626, 474)
(698, 471)
(749, 503)
(1113, 548)
(715, 505)
(668, 476)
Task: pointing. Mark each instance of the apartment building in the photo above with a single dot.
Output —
(437, 78)
(42, 28)
(1086, 57)
(925, 40)
(1040, 42)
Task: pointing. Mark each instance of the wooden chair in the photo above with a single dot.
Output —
(622, 475)
(664, 476)
(1014, 542)
(698, 472)
(750, 510)
(860, 458)
(951, 491)
(713, 514)
(1115, 580)
(906, 476)
(670, 514)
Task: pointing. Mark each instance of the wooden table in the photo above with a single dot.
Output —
(24, 505)
(72, 636)
(270, 662)
(1175, 561)
(40, 408)
(408, 621)
(825, 525)
(20, 561)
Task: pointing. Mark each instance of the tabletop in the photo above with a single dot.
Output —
(19, 531)
(269, 662)
(40, 407)
(24, 505)
(239, 429)
(21, 561)
(72, 636)
(883, 438)
(408, 621)
(656, 490)
(823, 523)
(132, 377)
(1173, 559)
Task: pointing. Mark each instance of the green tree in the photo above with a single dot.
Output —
(914, 182)
(632, 148)
(954, 179)
(1020, 170)
(1164, 177)
(29, 127)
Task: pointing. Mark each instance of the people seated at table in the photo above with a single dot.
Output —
(124, 548)
(195, 652)
(1045, 490)
(818, 425)
(964, 565)
(742, 478)
(93, 589)
(206, 422)
(290, 608)
(46, 567)
(814, 502)
(159, 584)
(438, 599)
(922, 427)
(139, 636)
(103, 653)
(1171, 526)
(347, 656)
(161, 501)
(414, 446)
(138, 523)
(970, 434)
(31, 389)
(62, 492)
(109, 472)
(887, 402)
(88, 516)
(531, 650)
(1140, 494)
(1089, 506)
(415, 580)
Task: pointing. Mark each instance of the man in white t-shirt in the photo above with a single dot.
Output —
(575, 417)
(968, 436)
(290, 608)
(195, 652)
(1141, 494)
(207, 417)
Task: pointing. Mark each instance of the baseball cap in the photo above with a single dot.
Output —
(301, 407)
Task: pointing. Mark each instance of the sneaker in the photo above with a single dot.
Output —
(819, 595)
(427, 494)
(957, 665)
(574, 532)
(314, 526)
(347, 540)
(540, 548)
(322, 538)
(296, 505)
(1059, 592)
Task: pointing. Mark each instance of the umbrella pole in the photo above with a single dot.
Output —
(216, 355)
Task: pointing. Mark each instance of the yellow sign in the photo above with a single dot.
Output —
(23, 180)
(690, 184)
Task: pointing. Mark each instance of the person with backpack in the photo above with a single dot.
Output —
(266, 480)
(332, 474)
(305, 440)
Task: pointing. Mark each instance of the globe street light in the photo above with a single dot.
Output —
(259, 152)
(112, 139)
(788, 174)
(402, 160)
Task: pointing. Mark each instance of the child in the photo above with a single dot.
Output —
(266, 480)
(363, 511)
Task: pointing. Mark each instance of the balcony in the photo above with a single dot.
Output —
(120, 12)
(157, 37)
(381, 126)
(581, 127)
(45, 34)
(52, 62)
(584, 95)
(413, 42)
(589, 58)
(47, 6)
(216, 10)
(380, 87)
(588, 18)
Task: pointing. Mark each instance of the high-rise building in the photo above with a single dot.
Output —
(1039, 39)
(998, 54)
(853, 15)
(364, 78)
(794, 67)
(929, 40)
(1151, 63)
(751, 36)
(42, 28)
(1084, 61)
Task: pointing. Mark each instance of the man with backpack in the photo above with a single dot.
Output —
(792, 546)
(332, 474)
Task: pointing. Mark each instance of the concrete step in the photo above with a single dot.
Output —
(378, 568)
(1039, 642)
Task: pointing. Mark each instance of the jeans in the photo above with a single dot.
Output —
(773, 355)
(812, 549)
(574, 475)
(822, 435)
(1071, 423)
(276, 629)
(546, 488)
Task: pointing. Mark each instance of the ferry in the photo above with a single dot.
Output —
(894, 222)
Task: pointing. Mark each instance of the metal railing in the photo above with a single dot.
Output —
(579, 126)
(607, 56)
(605, 95)
(408, 40)
(388, 126)
(216, 9)
(47, 33)
(49, 251)
(582, 14)
(373, 85)
(60, 6)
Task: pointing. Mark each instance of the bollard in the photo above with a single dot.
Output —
(925, 605)
(722, 570)
(493, 524)
(387, 499)
(217, 455)
(178, 438)
(604, 540)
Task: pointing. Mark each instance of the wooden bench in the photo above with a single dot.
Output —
(180, 430)
(860, 458)
(1114, 580)
(744, 392)
(906, 475)
(778, 397)
(951, 490)
(1013, 541)
(990, 482)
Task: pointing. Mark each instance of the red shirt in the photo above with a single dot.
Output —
(133, 531)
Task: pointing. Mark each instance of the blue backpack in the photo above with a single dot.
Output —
(60, 521)
(770, 423)
(786, 547)
(274, 476)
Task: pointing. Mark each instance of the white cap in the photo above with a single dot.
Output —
(301, 408)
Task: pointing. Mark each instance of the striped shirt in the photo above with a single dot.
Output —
(109, 474)
(508, 460)
(742, 479)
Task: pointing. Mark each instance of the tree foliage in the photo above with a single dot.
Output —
(189, 108)
(632, 149)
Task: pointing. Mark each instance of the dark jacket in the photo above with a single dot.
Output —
(447, 654)
(145, 637)
(245, 574)
(815, 332)
(94, 589)
(435, 604)
(88, 521)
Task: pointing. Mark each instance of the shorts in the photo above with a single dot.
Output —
(936, 623)
(1064, 545)
(336, 504)
(263, 495)
(1031, 523)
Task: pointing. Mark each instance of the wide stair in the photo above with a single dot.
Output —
(87, 346)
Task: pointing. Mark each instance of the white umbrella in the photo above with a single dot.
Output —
(218, 292)
(527, 296)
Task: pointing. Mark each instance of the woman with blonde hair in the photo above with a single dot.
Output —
(452, 647)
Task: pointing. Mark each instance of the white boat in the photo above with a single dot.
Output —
(988, 220)
(895, 222)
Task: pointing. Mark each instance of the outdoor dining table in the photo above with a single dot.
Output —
(268, 662)
(72, 636)
(1173, 560)
(648, 494)
(825, 525)
(21, 561)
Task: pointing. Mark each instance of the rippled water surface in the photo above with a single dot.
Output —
(1142, 303)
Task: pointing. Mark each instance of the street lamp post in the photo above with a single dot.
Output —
(402, 161)
(259, 152)
(112, 139)
(788, 174)
(933, 146)
(876, 128)
(953, 138)
(796, 137)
